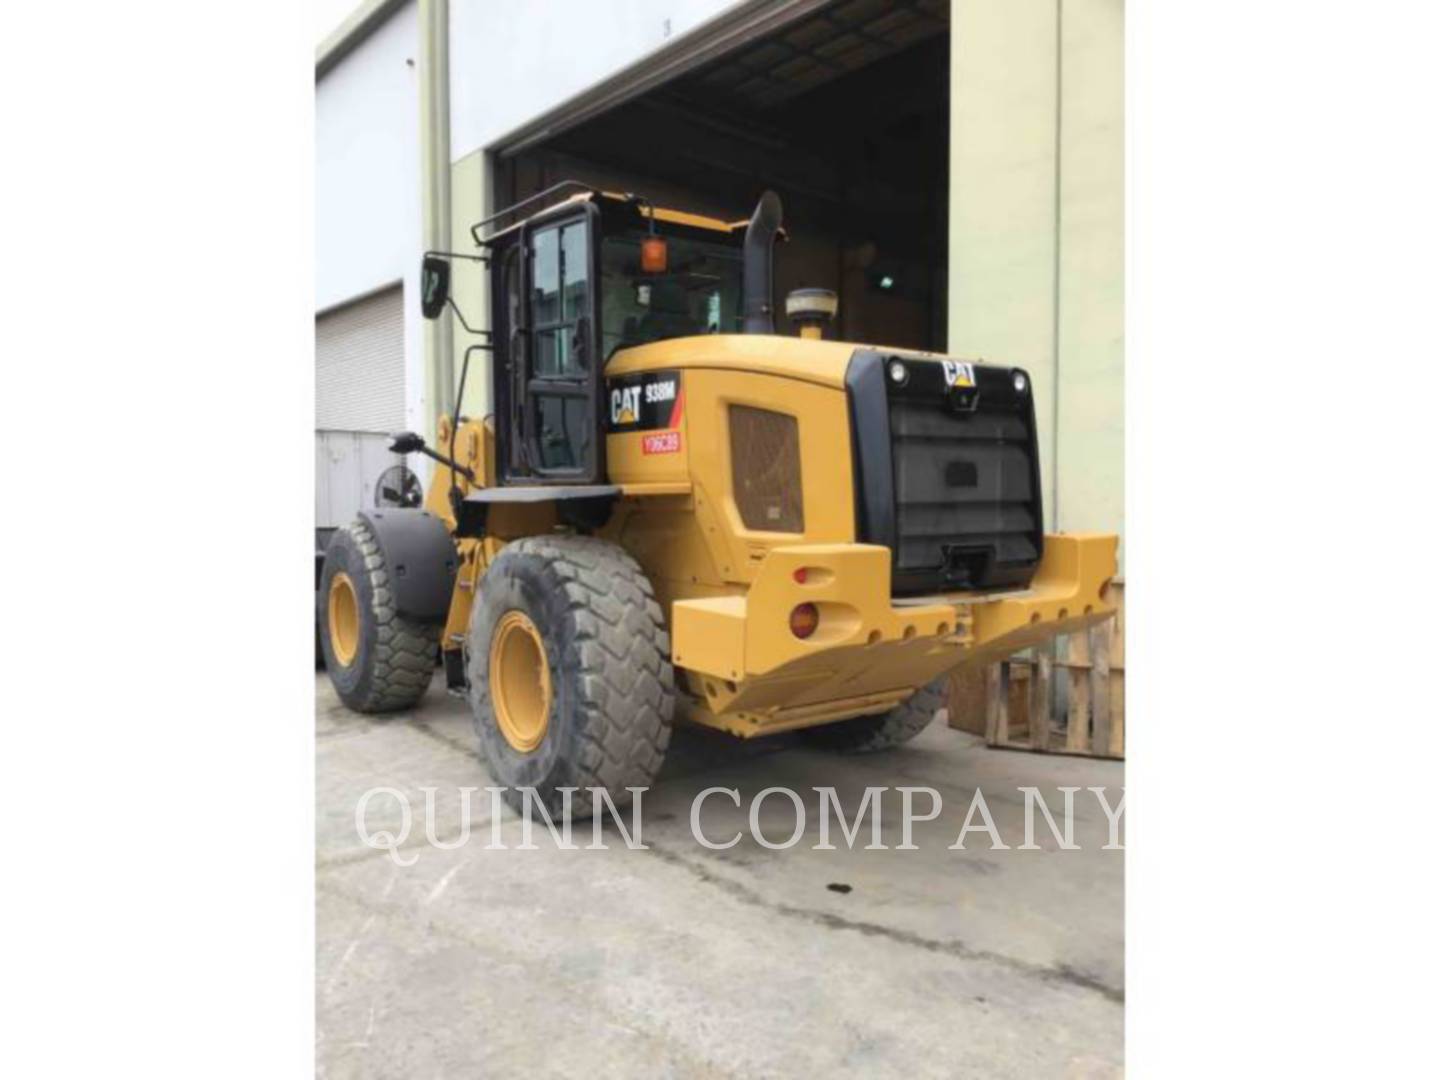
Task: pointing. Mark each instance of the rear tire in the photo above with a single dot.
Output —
(865, 734)
(600, 656)
(378, 660)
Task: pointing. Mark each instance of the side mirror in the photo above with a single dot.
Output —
(434, 286)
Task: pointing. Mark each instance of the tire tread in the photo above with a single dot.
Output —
(403, 661)
(866, 734)
(620, 656)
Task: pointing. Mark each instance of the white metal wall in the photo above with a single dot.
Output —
(360, 365)
(347, 464)
(367, 194)
(511, 60)
(367, 164)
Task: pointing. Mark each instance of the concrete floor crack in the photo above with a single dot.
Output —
(1062, 974)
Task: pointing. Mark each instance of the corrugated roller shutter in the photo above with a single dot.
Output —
(360, 365)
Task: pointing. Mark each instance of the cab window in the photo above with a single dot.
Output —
(697, 293)
(560, 289)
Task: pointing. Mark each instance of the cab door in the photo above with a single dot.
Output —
(554, 382)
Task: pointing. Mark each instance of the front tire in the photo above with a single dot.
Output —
(570, 677)
(865, 734)
(378, 660)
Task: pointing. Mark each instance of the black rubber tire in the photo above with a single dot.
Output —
(613, 687)
(319, 645)
(864, 734)
(395, 658)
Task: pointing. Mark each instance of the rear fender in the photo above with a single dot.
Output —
(421, 559)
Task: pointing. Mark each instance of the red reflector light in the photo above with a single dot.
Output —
(800, 576)
(804, 619)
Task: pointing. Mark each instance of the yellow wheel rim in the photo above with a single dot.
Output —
(344, 619)
(520, 681)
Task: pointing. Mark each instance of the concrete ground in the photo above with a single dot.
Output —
(685, 962)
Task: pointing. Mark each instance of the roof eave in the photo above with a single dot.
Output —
(364, 20)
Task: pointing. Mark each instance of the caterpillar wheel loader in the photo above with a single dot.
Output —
(676, 515)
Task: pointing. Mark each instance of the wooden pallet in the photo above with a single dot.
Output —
(1014, 705)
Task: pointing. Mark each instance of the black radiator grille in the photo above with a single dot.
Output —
(949, 480)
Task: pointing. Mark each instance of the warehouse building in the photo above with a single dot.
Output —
(953, 169)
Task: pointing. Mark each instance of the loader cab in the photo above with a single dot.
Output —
(577, 282)
(574, 285)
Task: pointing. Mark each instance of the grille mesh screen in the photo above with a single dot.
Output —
(765, 469)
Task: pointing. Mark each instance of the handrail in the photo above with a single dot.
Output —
(553, 189)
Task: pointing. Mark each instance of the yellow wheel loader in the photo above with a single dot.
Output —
(674, 514)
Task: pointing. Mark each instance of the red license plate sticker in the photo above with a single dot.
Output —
(666, 442)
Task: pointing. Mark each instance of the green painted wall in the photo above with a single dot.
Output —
(1037, 229)
(469, 200)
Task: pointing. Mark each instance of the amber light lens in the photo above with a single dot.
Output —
(804, 619)
(654, 256)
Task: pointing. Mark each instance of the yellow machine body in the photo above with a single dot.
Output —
(728, 590)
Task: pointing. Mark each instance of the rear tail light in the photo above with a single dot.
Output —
(804, 618)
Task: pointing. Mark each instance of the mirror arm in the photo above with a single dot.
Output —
(435, 456)
(450, 300)
(456, 255)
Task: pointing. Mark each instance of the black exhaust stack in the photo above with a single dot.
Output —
(759, 307)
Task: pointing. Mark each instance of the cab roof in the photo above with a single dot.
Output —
(643, 208)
